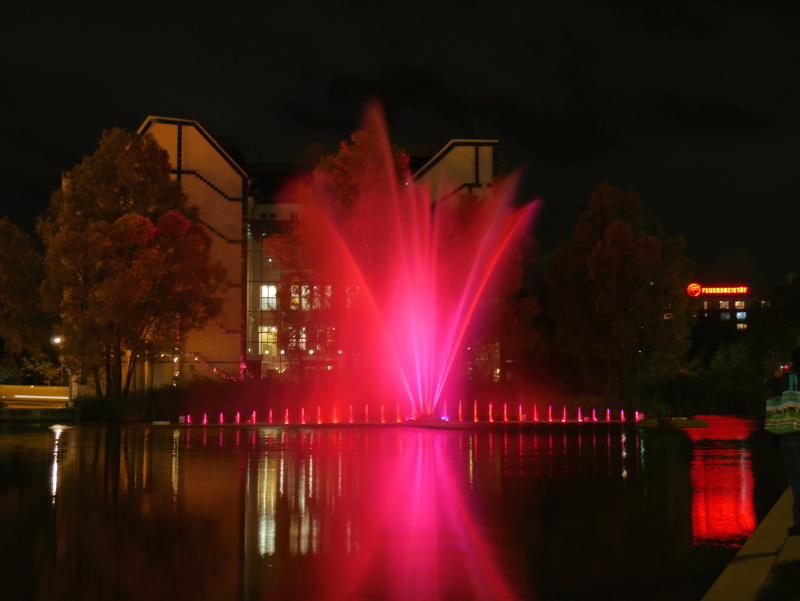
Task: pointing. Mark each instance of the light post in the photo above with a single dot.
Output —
(57, 340)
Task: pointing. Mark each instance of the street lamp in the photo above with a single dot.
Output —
(57, 340)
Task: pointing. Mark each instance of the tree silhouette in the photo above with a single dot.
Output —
(617, 295)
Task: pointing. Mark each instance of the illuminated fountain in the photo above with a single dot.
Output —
(413, 270)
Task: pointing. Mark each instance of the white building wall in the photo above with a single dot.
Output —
(216, 185)
(460, 165)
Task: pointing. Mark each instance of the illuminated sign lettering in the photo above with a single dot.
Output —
(696, 289)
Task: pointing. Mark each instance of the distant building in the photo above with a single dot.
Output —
(723, 313)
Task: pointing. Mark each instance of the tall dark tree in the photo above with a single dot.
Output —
(25, 329)
(23, 324)
(126, 270)
(617, 295)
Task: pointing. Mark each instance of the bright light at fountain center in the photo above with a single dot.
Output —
(422, 268)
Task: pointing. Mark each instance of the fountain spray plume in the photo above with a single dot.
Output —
(407, 271)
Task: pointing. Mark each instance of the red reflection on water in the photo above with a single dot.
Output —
(722, 482)
(418, 540)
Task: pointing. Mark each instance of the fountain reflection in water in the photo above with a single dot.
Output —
(378, 513)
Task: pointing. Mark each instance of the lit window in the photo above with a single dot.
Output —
(738, 305)
(741, 326)
(765, 304)
(741, 315)
(300, 297)
(267, 340)
(725, 316)
(298, 339)
(705, 305)
(269, 298)
(724, 304)
(667, 315)
(320, 297)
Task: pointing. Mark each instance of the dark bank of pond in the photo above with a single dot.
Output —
(535, 511)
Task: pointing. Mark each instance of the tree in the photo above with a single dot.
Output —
(617, 295)
(24, 327)
(350, 179)
(126, 269)
(356, 179)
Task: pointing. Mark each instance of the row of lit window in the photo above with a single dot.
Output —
(304, 297)
(299, 338)
(723, 304)
(724, 316)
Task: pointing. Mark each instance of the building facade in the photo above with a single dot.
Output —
(241, 210)
(722, 315)
(218, 186)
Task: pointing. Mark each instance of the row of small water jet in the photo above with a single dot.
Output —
(564, 417)
(385, 416)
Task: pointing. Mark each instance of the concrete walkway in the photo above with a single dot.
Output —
(767, 567)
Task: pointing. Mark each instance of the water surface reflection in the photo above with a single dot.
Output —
(506, 512)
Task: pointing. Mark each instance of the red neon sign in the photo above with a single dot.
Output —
(695, 289)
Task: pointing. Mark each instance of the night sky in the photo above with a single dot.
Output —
(692, 104)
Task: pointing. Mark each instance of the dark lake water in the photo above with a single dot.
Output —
(502, 511)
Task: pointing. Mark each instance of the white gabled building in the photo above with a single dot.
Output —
(240, 212)
(218, 186)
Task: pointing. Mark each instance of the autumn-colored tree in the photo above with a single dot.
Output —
(357, 178)
(617, 295)
(126, 269)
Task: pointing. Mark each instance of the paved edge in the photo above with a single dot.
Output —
(748, 572)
